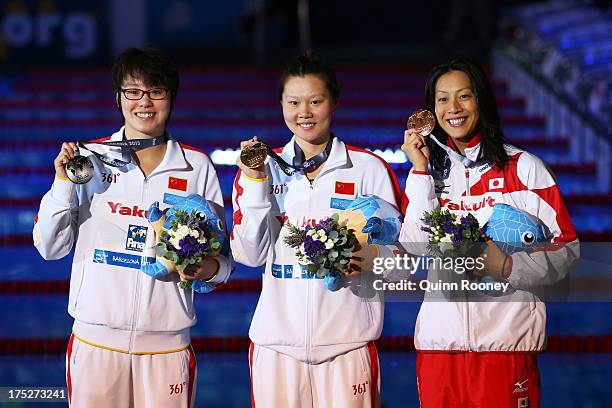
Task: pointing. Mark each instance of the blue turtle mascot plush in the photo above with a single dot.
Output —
(162, 220)
(513, 230)
(374, 221)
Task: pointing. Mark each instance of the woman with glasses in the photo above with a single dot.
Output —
(130, 344)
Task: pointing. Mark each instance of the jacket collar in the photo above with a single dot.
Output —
(337, 157)
(472, 151)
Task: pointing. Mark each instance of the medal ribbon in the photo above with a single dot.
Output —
(464, 160)
(299, 162)
(126, 145)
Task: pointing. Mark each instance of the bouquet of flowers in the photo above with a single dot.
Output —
(185, 234)
(188, 241)
(450, 235)
(324, 249)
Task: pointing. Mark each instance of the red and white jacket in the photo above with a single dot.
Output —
(516, 324)
(114, 304)
(297, 315)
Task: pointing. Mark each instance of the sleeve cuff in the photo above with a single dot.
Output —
(259, 180)
(223, 271)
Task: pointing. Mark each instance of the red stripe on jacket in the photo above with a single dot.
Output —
(512, 183)
(400, 197)
(237, 215)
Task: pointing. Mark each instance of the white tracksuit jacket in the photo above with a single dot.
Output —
(296, 315)
(502, 325)
(114, 304)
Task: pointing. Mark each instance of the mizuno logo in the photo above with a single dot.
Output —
(121, 209)
(520, 386)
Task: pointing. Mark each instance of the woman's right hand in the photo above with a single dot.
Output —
(67, 152)
(256, 173)
(416, 149)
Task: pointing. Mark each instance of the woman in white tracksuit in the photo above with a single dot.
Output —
(310, 346)
(482, 354)
(130, 343)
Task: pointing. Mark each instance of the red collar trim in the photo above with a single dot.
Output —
(473, 143)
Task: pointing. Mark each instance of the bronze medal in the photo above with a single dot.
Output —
(422, 121)
(254, 156)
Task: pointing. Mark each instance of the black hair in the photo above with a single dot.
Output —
(492, 137)
(310, 64)
(148, 64)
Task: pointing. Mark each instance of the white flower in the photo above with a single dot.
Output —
(182, 231)
(329, 244)
(446, 238)
(332, 254)
(194, 233)
(333, 235)
(310, 232)
(175, 242)
(202, 240)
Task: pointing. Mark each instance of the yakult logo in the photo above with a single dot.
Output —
(121, 209)
(298, 222)
(463, 206)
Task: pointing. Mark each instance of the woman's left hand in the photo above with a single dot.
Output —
(362, 260)
(495, 262)
(206, 269)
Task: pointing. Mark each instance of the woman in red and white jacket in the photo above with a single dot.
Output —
(482, 354)
(311, 346)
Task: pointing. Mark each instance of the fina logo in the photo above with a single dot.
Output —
(136, 238)
(77, 30)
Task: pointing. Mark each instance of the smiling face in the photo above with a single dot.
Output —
(307, 109)
(456, 106)
(144, 118)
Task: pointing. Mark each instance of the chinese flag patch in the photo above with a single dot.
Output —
(177, 183)
(345, 188)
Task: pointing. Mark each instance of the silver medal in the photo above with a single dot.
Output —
(79, 169)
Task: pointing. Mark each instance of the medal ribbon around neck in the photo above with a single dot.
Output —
(126, 146)
(299, 162)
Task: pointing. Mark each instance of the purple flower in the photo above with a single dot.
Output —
(190, 247)
(313, 247)
(327, 224)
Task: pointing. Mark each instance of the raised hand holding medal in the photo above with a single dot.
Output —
(80, 169)
(253, 155)
(422, 121)
(420, 124)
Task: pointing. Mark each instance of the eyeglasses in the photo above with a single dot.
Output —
(134, 94)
